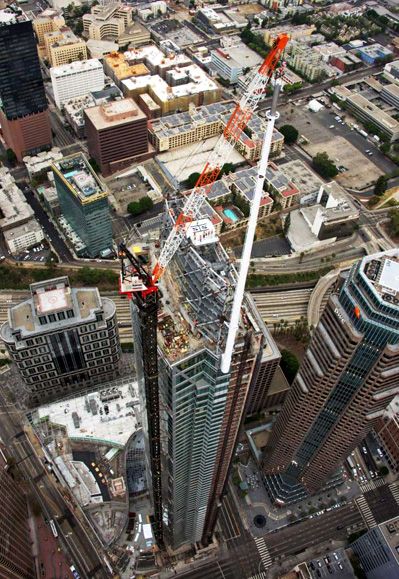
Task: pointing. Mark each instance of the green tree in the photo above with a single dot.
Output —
(289, 364)
(11, 156)
(394, 226)
(383, 470)
(380, 186)
(289, 133)
(140, 206)
(192, 180)
(324, 166)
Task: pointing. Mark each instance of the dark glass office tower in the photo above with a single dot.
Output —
(23, 114)
(348, 377)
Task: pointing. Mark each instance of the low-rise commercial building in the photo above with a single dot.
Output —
(390, 94)
(366, 111)
(220, 21)
(233, 59)
(62, 339)
(63, 47)
(330, 217)
(373, 53)
(391, 71)
(17, 221)
(346, 62)
(84, 202)
(117, 134)
(76, 79)
(42, 162)
(208, 121)
(100, 48)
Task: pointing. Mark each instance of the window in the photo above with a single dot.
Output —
(52, 318)
(42, 320)
(70, 313)
(61, 315)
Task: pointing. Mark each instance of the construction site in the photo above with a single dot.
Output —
(201, 347)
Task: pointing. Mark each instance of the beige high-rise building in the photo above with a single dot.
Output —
(48, 21)
(114, 22)
(63, 47)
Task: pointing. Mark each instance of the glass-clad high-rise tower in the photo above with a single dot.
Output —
(23, 106)
(349, 375)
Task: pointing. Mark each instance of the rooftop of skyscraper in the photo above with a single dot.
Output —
(52, 303)
(114, 113)
(76, 172)
(382, 274)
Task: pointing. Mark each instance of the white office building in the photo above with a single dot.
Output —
(76, 79)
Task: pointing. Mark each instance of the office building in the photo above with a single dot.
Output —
(387, 430)
(378, 550)
(84, 203)
(221, 21)
(62, 339)
(114, 21)
(76, 79)
(390, 94)
(202, 408)
(233, 58)
(49, 20)
(117, 134)
(63, 47)
(367, 111)
(16, 557)
(346, 380)
(391, 71)
(23, 113)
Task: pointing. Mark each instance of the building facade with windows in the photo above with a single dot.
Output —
(16, 556)
(347, 379)
(76, 79)
(62, 339)
(84, 202)
(378, 550)
(24, 116)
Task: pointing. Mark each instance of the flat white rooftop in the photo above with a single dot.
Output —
(390, 275)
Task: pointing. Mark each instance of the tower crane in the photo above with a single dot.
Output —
(141, 286)
(238, 120)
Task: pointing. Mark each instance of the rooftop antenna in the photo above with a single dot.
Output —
(272, 116)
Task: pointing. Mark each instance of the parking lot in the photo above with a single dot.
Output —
(346, 147)
(333, 564)
(39, 253)
(127, 189)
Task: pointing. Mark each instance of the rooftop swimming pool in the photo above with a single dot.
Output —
(231, 215)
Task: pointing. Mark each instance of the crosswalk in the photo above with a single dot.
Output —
(263, 552)
(394, 488)
(261, 575)
(365, 511)
(372, 485)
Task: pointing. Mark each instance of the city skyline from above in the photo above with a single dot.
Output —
(199, 289)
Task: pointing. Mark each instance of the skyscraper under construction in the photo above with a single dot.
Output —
(348, 377)
(200, 407)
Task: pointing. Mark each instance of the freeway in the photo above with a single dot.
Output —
(288, 305)
(72, 535)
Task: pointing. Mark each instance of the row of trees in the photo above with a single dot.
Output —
(193, 178)
(324, 166)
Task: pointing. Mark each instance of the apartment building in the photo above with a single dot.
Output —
(117, 134)
(63, 47)
(49, 20)
(204, 122)
(233, 58)
(344, 384)
(84, 202)
(62, 339)
(76, 79)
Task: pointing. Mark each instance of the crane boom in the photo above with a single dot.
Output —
(238, 120)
